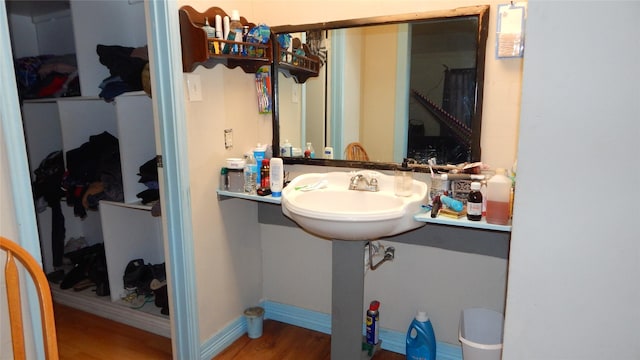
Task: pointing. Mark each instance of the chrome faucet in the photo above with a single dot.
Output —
(369, 185)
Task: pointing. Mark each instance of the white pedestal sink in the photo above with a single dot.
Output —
(322, 204)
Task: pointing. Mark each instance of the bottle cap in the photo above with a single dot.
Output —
(475, 185)
(235, 15)
(375, 305)
(422, 316)
(405, 166)
(265, 162)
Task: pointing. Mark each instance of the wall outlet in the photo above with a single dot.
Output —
(228, 138)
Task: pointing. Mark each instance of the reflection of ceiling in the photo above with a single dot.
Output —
(36, 7)
(450, 35)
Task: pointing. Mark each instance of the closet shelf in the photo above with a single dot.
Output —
(197, 49)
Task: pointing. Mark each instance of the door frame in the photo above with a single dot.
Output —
(168, 102)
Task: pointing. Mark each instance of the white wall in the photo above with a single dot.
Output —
(573, 289)
(93, 24)
(23, 36)
(229, 262)
(227, 238)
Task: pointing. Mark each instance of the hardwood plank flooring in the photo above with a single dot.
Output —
(89, 337)
(280, 341)
(82, 335)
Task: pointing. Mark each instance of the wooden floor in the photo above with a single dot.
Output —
(89, 337)
(85, 336)
(281, 341)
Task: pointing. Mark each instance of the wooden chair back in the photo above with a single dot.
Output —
(355, 151)
(12, 276)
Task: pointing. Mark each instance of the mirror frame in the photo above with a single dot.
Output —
(481, 11)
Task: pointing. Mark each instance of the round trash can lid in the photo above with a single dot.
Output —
(254, 311)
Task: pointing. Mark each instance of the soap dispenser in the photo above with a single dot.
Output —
(403, 182)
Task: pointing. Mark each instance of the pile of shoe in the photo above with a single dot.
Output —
(145, 280)
(89, 270)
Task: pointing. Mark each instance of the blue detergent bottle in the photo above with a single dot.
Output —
(421, 340)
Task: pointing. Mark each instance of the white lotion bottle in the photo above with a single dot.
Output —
(276, 176)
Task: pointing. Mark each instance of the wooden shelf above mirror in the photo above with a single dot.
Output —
(198, 49)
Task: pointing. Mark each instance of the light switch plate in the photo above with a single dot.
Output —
(194, 87)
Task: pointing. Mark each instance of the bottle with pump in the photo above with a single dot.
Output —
(276, 177)
(287, 149)
(474, 203)
(498, 198)
(421, 340)
(309, 153)
(235, 32)
(250, 174)
(373, 323)
(403, 180)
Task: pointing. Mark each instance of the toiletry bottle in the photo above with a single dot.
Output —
(483, 191)
(235, 28)
(373, 322)
(474, 202)
(287, 149)
(210, 30)
(498, 196)
(451, 203)
(250, 174)
(264, 174)
(309, 153)
(403, 181)
(259, 154)
(276, 176)
(328, 152)
(421, 340)
(218, 27)
(224, 179)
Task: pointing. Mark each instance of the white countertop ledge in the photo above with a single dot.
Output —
(423, 217)
(463, 222)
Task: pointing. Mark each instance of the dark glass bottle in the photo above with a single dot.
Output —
(474, 202)
(264, 174)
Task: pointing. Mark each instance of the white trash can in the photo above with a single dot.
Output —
(480, 333)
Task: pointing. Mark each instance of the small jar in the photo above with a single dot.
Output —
(403, 182)
(474, 203)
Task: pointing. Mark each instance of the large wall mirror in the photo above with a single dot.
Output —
(400, 86)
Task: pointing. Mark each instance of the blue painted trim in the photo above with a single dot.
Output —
(223, 339)
(16, 153)
(391, 340)
(336, 61)
(289, 314)
(403, 66)
(313, 320)
(168, 98)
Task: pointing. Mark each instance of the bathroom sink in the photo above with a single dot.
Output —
(322, 204)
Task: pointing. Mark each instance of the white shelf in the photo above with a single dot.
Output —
(463, 222)
(267, 199)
